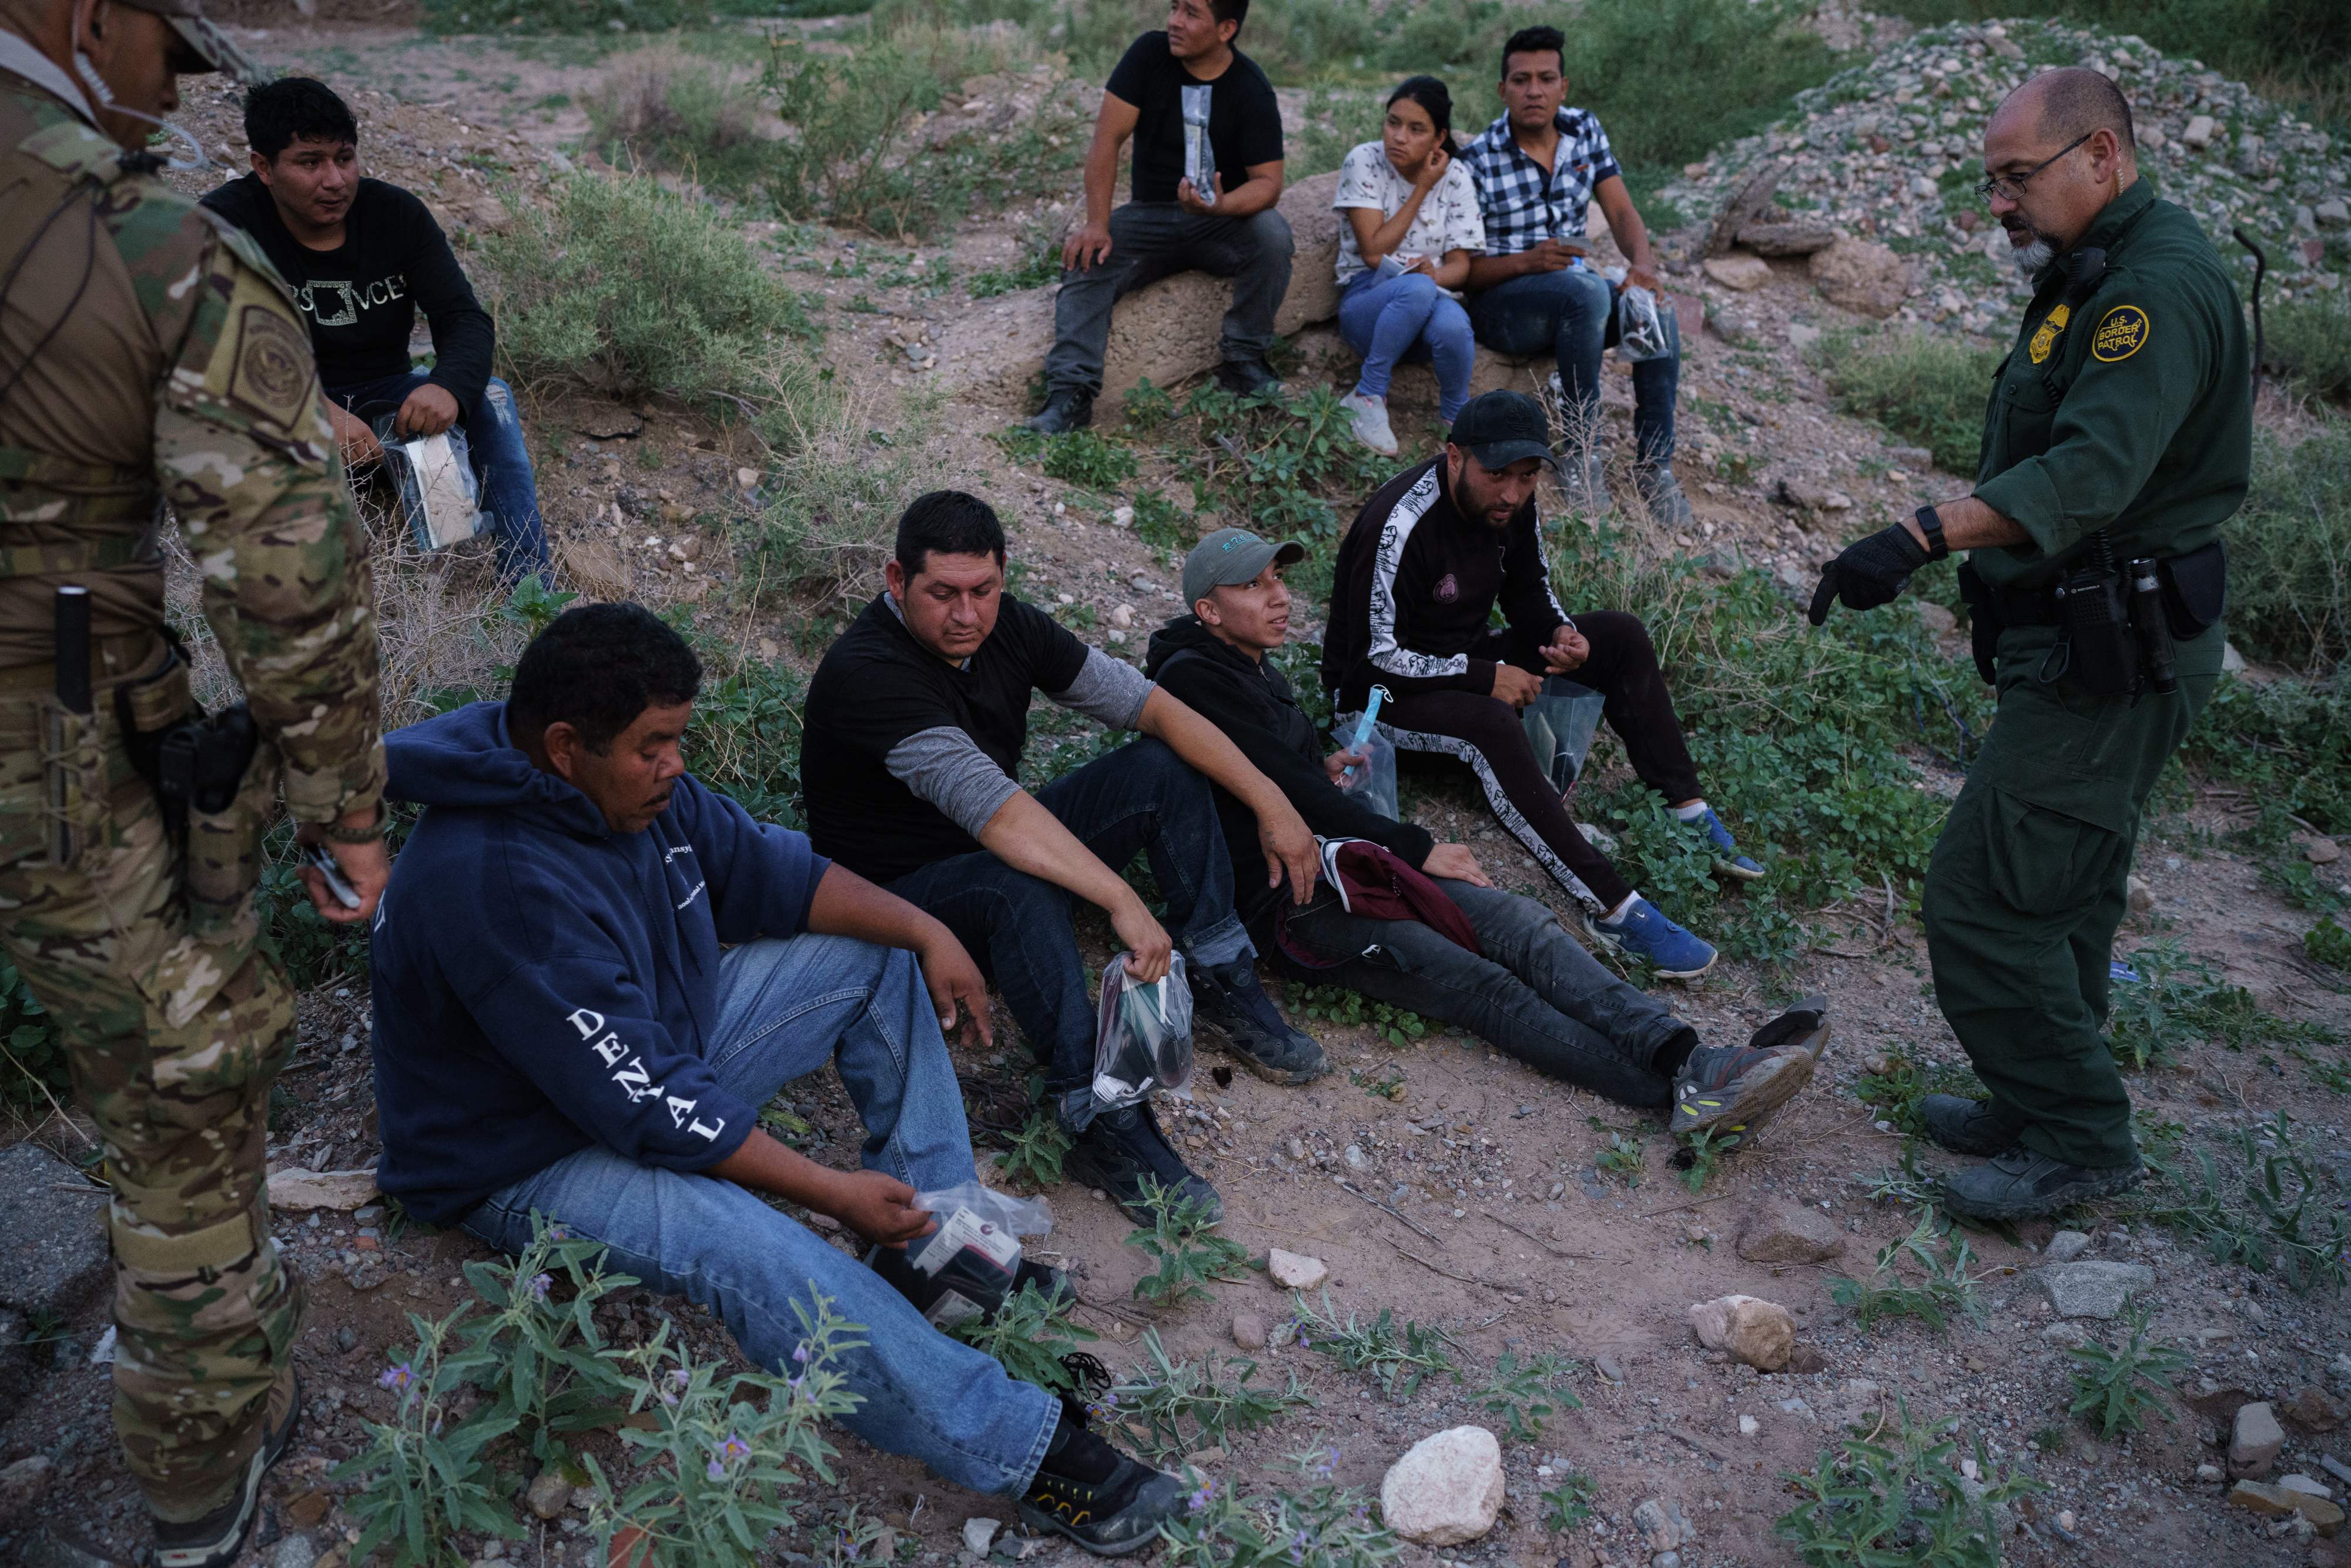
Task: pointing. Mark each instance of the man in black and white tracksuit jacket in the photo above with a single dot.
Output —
(1422, 568)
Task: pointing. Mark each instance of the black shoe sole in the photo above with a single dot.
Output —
(1039, 1520)
(1761, 1090)
(2105, 1184)
(1287, 1076)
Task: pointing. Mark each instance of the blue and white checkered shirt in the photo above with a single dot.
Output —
(1524, 202)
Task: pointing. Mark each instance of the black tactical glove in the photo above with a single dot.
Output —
(1872, 571)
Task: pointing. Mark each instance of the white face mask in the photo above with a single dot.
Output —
(192, 154)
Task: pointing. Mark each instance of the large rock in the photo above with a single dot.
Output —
(1786, 1233)
(2091, 1290)
(54, 1259)
(1760, 1333)
(2254, 1439)
(22, 1485)
(300, 1189)
(1787, 239)
(1738, 271)
(1447, 1490)
(1861, 275)
(1164, 332)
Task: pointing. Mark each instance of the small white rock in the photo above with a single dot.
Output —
(1295, 1272)
(979, 1534)
(1447, 1490)
(1748, 1425)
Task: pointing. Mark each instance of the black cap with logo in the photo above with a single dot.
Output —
(1499, 428)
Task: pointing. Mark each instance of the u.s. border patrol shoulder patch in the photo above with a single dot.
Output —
(2121, 332)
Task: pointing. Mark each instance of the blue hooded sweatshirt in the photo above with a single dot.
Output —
(543, 984)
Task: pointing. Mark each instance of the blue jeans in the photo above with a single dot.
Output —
(1573, 312)
(784, 1008)
(1390, 321)
(1140, 800)
(501, 462)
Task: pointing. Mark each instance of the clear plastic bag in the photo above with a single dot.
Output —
(1144, 1038)
(970, 1262)
(1640, 329)
(1199, 157)
(440, 498)
(1374, 781)
(1560, 724)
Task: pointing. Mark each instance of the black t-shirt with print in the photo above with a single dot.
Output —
(1244, 119)
(876, 687)
(360, 298)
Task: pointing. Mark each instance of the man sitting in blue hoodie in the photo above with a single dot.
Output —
(559, 1036)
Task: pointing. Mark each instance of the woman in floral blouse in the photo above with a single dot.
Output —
(1412, 223)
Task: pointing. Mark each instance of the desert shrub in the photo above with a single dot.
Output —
(32, 1056)
(1930, 391)
(582, 16)
(627, 288)
(830, 504)
(663, 110)
(2308, 341)
(2288, 741)
(2290, 552)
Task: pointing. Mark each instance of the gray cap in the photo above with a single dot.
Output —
(204, 41)
(1230, 557)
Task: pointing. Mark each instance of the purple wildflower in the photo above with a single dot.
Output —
(801, 1352)
(1328, 1465)
(1202, 1498)
(717, 1471)
(539, 1284)
(735, 1447)
(397, 1377)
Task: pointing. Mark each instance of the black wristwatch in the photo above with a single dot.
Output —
(1932, 527)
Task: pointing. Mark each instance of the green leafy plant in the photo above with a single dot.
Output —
(1326, 1526)
(1702, 1154)
(1182, 1240)
(1034, 1153)
(1904, 1501)
(725, 1452)
(1387, 1084)
(1568, 1504)
(34, 1056)
(2178, 1002)
(1894, 1090)
(1352, 1008)
(1925, 388)
(2267, 1214)
(2329, 942)
(2114, 1388)
(1944, 1289)
(1523, 1395)
(547, 1364)
(1172, 1407)
(1399, 1359)
(1031, 1333)
(1620, 1157)
(420, 1474)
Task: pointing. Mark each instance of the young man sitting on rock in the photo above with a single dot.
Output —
(1420, 572)
(1225, 223)
(560, 1038)
(363, 256)
(1539, 168)
(1446, 943)
(910, 759)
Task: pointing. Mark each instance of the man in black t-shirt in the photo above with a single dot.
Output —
(910, 762)
(1171, 223)
(362, 257)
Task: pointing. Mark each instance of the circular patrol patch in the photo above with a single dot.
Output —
(2122, 332)
(272, 377)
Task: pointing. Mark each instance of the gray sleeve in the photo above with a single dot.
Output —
(944, 767)
(1107, 691)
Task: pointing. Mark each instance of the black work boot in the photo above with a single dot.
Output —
(2019, 1184)
(1247, 378)
(216, 1540)
(1965, 1126)
(1063, 411)
(1120, 1148)
(1229, 999)
(1089, 1491)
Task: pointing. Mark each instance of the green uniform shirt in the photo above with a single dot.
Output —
(2132, 413)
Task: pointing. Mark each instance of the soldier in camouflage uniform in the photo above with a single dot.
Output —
(149, 356)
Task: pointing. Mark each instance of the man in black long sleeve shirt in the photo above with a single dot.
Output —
(362, 257)
(1532, 990)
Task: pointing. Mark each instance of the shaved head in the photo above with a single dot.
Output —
(2071, 103)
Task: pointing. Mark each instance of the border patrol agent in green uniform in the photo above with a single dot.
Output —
(2116, 442)
(151, 357)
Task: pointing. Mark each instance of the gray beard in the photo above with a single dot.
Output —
(2030, 259)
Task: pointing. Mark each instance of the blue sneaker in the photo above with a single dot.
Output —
(1726, 858)
(1648, 936)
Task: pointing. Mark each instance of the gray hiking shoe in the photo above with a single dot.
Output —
(1585, 486)
(1662, 492)
(2019, 1184)
(1965, 1126)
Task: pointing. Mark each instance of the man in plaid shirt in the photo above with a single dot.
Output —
(1538, 168)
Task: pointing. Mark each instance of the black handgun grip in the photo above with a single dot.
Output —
(73, 648)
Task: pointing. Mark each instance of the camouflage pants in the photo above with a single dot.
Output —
(174, 1036)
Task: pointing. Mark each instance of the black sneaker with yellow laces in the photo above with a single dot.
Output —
(1089, 1491)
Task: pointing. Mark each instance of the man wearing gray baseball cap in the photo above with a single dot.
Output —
(1527, 986)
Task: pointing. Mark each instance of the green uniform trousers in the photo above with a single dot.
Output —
(2030, 881)
(174, 1035)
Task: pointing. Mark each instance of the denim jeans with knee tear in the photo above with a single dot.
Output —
(787, 1007)
(1572, 313)
(501, 462)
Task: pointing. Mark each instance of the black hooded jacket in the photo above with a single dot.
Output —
(1251, 702)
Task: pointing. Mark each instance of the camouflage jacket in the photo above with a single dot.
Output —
(156, 359)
